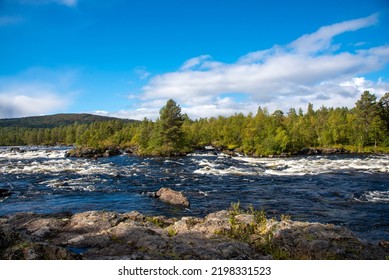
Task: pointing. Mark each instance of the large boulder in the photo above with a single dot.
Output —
(172, 197)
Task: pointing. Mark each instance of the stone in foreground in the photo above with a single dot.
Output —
(99, 235)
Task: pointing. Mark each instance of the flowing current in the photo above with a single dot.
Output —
(348, 190)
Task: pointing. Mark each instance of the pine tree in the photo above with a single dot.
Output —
(368, 123)
(170, 129)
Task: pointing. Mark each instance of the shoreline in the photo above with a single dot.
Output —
(108, 152)
(226, 234)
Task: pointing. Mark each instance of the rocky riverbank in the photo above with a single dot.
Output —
(93, 153)
(232, 234)
(113, 151)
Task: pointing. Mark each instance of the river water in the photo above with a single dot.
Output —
(349, 190)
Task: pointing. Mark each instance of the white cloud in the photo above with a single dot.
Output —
(137, 114)
(309, 69)
(30, 100)
(142, 72)
(25, 95)
(195, 61)
(321, 39)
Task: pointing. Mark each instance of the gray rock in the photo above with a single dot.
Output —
(5, 193)
(93, 153)
(172, 197)
(220, 235)
(322, 151)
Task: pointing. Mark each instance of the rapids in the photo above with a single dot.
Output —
(349, 190)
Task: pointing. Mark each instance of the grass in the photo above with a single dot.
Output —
(156, 221)
(285, 217)
(171, 232)
(256, 233)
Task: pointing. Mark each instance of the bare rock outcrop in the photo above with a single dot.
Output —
(220, 235)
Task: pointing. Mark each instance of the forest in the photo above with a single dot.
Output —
(364, 128)
(56, 120)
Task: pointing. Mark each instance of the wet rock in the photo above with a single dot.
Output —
(112, 152)
(384, 243)
(16, 150)
(150, 194)
(5, 193)
(333, 151)
(323, 151)
(93, 153)
(308, 151)
(172, 197)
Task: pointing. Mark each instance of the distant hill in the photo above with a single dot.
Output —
(51, 121)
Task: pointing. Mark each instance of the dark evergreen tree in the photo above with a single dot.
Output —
(170, 124)
(384, 109)
(368, 123)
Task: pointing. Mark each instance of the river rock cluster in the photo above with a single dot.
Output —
(93, 153)
(220, 235)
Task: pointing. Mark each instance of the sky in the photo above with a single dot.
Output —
(126, 58)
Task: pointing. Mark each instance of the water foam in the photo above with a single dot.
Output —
(295, 166)
(374, 196)
(32, 153)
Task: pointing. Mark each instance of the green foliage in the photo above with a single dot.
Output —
(171, 232)
(285, 217)
(156, 221)
(364, 128)
(257, 233)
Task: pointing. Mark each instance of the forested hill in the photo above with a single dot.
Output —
(51, 121)
(364, 128)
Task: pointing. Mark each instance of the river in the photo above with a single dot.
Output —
(348, 190)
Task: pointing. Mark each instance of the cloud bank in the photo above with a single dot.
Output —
(24, 95)
(310, 69)
(28, 102)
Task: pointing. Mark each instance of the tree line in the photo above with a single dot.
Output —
(362, 128)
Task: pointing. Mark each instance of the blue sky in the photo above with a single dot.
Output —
(215, 57)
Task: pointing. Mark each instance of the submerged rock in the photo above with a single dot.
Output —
(220, 235)
(16, 150)
(322, 151)
(172, 197)
(5, 193)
